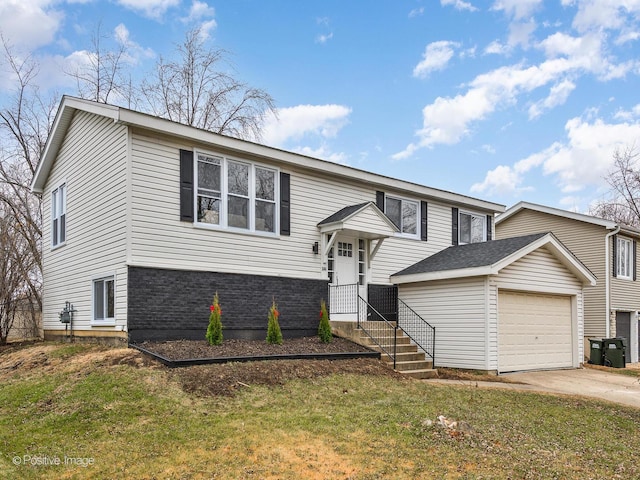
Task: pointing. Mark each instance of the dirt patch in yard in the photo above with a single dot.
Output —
(229, 378)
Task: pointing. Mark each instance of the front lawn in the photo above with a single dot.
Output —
(107, 413)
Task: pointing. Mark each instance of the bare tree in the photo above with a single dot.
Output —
(25, 123)
(196, 90)
(624, 178)
(15, 287)
(103, 78)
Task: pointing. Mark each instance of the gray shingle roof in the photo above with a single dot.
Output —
(343, 213)
(471, 255)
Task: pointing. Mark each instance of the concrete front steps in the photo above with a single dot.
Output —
(409, 361)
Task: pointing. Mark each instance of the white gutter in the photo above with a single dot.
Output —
(607, 299)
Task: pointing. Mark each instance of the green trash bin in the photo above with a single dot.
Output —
(614, 352)
(596, 355)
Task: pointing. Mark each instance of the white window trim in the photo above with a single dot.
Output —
(107, 322)
(475, 214)
(224, 196)
(629, 266)
(400, 233)
(56, 191)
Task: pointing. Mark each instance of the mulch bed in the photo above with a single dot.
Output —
(227, 379)
(193, 349)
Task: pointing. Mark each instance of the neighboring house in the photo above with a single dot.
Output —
(517, 303)
(146, 219)
(608, 249)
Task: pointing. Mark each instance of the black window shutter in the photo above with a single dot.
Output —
(634, 261)
(614, 260)
(285, 204)
(454, 226)
(423, 221)
(186, 185)
(380, 200)
(489, 227)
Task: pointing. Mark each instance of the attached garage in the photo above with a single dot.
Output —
(504, 305)
(534, 331)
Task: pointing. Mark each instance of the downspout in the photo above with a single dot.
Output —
(607, 299)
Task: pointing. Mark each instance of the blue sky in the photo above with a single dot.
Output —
(504, 100)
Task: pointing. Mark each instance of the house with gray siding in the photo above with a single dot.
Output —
(608, 249)
(146, 219)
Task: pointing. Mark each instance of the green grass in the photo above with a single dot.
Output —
(137, 423)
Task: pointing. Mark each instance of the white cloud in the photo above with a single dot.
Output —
(488, 148)
(520, 33)
(557, 96)
(154, 9)
(500, 180)
(201, 12)
(323, 153)
(416, 12)
(324, 38)
(459, 5)
(496, 48)
(518, 9)
(448, 119)
(610, 14)
(435, 57)
(294, 123)
(29, 24)
(628, 115)
(584, 159)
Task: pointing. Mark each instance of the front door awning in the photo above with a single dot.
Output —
(364, 220)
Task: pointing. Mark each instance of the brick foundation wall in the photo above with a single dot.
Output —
(174, 304)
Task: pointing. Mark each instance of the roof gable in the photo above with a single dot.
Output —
(488, 258)
(364, 219)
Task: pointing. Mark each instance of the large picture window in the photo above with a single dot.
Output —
(104, 300)
(403, 213)
(471, 228)
(624, 260)
(59, 216)
(235, 194)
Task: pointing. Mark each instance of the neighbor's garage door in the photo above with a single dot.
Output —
(534, 331)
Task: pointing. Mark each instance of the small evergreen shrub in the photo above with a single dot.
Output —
(214, 330)
(324, 329)
(274, 334)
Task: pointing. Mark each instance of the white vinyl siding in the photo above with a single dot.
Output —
(92, 164)
(159, 239)
(457, 309)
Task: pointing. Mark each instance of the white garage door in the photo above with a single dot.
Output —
(534, 331)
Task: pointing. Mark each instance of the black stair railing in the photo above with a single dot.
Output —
(383, 328)
(418, 329)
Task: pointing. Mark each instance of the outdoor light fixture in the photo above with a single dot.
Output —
(314, 248)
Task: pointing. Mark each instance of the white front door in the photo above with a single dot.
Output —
(344, 274)
(345, 256)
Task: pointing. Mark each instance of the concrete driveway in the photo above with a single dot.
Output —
(588, 382)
